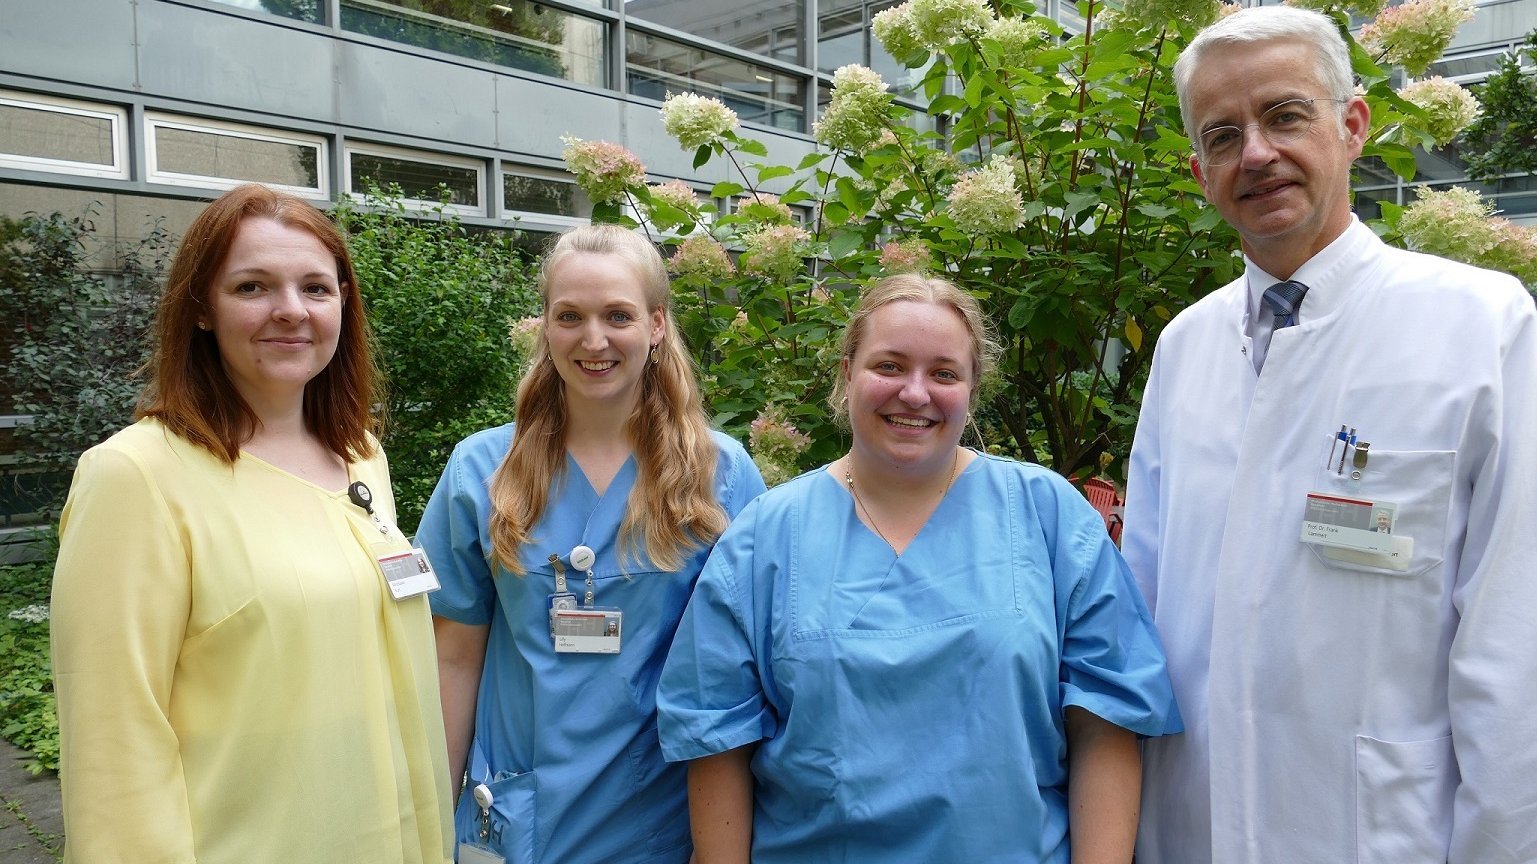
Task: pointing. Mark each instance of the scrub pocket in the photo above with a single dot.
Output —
(1419, 482)
(1403, 800)
(512, 817)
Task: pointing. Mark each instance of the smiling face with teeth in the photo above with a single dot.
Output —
(1286, 201)
(599, 331)
(909, 387)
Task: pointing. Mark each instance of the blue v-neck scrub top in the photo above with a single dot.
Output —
(568, 741)
(910, 708)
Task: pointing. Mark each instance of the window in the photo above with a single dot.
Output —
(182, 151)
(771, 28)
(656, 66)
(425, 179)
(530, 190)
(519, 34)
(41, 133)
(299, 10)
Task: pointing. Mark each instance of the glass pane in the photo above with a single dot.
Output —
(1368, 202)
(231, 157)
(655, 67)
(768, 27)
(515, 33)
(844, 37)
(1443, 163)
(417, 180)
(1477, 64)
(543, 195)
(299, 10)
(55, 135)
(1372, 171)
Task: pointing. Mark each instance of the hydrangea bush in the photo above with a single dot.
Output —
(1059, 194)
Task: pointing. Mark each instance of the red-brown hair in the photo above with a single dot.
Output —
(189, 390)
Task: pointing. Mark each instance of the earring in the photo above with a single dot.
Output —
(202, 325)
(653, 356)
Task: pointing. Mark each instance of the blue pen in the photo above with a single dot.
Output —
(1349, 443)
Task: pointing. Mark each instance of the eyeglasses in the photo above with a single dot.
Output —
(1281, 124)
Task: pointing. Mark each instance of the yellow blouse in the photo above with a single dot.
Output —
(235, 683)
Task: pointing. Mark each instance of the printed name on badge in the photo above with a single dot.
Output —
(588, 630)
(1359, 526)
(408, 573)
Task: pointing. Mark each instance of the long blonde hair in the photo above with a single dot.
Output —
(672, 509)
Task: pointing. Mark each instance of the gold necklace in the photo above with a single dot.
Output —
(848, 477)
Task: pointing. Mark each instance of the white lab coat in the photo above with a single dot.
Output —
(1339, 714)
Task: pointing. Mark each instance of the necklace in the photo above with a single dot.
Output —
(848, 477)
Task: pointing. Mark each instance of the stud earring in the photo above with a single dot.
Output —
(202, 325)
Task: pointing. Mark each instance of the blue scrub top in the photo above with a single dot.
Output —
(568, 741)
(910, 708)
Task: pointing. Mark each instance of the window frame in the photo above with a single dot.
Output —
(116, 116)
(155, 120)
(425, 157)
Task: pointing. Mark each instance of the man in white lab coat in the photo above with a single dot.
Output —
(1351, 696)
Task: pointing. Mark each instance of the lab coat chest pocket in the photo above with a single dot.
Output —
(1403, 795)
(1418, 483)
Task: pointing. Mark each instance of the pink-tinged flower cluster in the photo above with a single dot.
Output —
(986, 201)
(775, 445)
(525, 334)
(1453, 223)
(893, 28)
(938, 23)
(603, 169)
(775, 252)
(768, 208)
(702, 259)
(1457, 224)
(1226, 9)
(905, 256)
(676, 193)
(1449, 108)
(856, 113)
(1415, 34)
(1017, 38)
(696, 120)
(1515, 251)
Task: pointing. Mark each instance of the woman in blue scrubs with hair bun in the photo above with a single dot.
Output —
(567, 544)
(918, 653)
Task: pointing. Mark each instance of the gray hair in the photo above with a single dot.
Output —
(1331, 55)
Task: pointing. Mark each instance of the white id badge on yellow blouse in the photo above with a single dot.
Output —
(407, 571)
(474, 853)
(587, 629)
(1356, 530)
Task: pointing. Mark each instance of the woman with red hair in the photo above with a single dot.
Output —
(242, 649)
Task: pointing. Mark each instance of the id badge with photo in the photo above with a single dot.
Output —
(408, 573)
(1360, 530)
(587, 629)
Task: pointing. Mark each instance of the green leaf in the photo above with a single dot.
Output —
(702, 155)
(845, 242)
(726, 189)
(771, 172)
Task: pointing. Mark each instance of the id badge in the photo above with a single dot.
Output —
(587, 630)
(1360, 530)
(474, 853)
(408, 573)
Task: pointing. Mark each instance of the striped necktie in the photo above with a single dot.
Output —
(1284, 298)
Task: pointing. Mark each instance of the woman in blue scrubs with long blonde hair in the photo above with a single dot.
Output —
(919, 652)
(567, 544)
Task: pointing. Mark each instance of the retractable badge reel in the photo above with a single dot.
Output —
(588, 629)
(406, 571)
(480, 851)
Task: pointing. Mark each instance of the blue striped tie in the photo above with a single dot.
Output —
(1284, 298)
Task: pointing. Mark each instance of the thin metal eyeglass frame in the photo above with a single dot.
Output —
(1200, 150)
